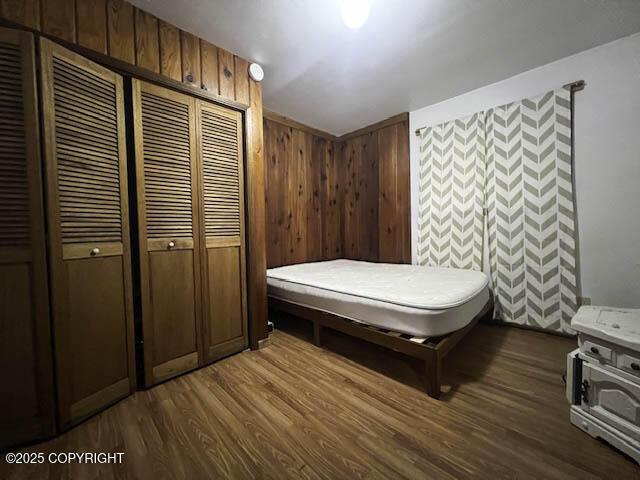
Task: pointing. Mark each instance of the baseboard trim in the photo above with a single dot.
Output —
(493, 321)
(265, 342)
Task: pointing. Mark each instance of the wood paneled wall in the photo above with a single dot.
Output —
(377, 200)
(359, 159)
(302, 195)
(117, 29)
(337, 197)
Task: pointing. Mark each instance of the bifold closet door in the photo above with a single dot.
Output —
(166, 177)
(87, 210)
(224, 280)
(26, 402)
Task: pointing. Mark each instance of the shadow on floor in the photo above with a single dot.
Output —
(462, 365)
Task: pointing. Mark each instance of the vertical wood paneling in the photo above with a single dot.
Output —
(285, 153)
(271, 204)
(226, 79)
(331, 200)
(376, 219)
(170, 57)
(388, 146)
(120, 28)
(316, 152)
(147, 42)
(360, 239)
(92, 24)
(209, 66)
(277, 139)
(403, 194)
(394, 200)
(241, 69)
(302, 196)
(343, 198)
(350, 153)
(22, 12)
(368, 191)
(190, 59)
(297, 190)
(257, 264)
(59, 18)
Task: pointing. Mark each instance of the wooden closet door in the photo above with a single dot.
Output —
(169, 235)
(224, 279)
(26, 401)
(89, 248)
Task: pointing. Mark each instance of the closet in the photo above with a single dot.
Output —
(88, 232)
(67, 340)
(189, 173)
(169, 235)
(25, 342)
(222, 192)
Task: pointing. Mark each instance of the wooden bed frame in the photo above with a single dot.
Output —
(432, 351)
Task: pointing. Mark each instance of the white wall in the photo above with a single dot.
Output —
(607, 158)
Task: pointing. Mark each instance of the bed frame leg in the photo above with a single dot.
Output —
(433, 371)
(317, 330)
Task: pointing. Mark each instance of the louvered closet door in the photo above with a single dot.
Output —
(169, 234)
(89, 247)
(224, 280)
(26, 402)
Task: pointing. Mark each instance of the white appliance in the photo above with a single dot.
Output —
(603, 376)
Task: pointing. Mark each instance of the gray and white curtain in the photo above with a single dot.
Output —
(530, 212)
(451, 194)
(526, 184)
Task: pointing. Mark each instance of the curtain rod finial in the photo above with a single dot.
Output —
(577, 86)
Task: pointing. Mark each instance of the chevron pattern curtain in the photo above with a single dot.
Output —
(451, 194)
(530, 216)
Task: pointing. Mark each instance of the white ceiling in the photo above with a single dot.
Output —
(409, 54)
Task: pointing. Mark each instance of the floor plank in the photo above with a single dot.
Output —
(348, 410)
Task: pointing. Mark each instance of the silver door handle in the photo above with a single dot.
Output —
(95, 251)
(171, 244)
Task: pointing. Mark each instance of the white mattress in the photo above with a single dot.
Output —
(410, 299)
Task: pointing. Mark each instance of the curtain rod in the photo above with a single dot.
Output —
(573, 86)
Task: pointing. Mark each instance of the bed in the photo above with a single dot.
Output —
(420, 311)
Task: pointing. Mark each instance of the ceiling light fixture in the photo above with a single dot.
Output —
(355, 12)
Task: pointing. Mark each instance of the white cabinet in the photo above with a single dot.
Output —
(612, 399)
(603, 376)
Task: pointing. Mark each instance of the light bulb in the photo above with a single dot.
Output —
(355, 12)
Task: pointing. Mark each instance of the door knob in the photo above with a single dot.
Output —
(171, 244)
(95, 251)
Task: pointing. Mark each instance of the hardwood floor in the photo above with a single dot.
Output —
(294, 410)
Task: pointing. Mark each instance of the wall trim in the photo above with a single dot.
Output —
(401, 117)
(125, 68)
(290, 122)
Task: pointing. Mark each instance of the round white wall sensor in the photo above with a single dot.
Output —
(256, 72)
